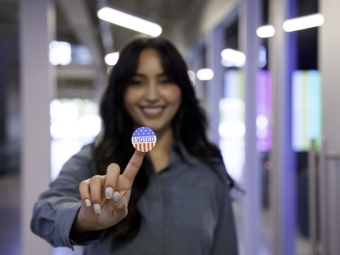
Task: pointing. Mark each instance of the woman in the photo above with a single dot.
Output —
(174, 201)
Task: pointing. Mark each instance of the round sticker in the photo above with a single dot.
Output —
(144, 139)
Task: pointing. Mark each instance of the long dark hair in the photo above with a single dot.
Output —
(189, 124)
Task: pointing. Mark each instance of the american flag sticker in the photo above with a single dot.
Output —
(144, 139)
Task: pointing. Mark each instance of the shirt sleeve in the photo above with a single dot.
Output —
(56, 209)
(225, 240)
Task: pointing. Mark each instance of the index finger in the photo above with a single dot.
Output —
(133, 166)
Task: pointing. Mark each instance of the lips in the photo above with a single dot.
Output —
(152, 112)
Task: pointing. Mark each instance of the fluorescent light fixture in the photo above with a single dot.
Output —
(205, 74)
(233, 57)
(128, 21)
(60, 53)
(112, 58)
(314, 20)
(265, 31)
(226, 63)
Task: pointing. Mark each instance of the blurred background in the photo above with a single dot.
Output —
(265, 71)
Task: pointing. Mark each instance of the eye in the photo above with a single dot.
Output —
(135, 82)
(166, 80)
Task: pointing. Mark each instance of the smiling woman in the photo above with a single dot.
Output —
(152, 99)
(173, 199)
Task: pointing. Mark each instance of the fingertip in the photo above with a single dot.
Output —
(97, 208)
(108, 192)
(116, 197)
(140, 153)
(87, 202)
(112, 165)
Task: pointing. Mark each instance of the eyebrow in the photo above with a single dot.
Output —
(143, 76)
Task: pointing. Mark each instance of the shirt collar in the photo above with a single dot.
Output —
(178, 156)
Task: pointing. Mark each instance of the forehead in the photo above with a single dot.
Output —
(149, 62)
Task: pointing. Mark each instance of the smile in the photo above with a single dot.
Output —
(152, 112)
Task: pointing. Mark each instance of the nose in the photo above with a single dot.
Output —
(151, 92)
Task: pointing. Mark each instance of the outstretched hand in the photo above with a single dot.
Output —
(105, 198)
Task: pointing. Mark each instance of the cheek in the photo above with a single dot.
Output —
(175, 96)
(130, 98)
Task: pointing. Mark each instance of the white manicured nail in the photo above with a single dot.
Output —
(116, 197)
(96, 208)
(87, 202)
(108, 192)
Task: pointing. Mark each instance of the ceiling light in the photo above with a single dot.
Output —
(128, 21)
(265, 31)
(60, 53)
(111, 58)
(304, 22)
(205, 74)
(234, 57)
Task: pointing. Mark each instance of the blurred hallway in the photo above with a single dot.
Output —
(268, 95)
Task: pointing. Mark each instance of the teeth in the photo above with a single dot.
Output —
(152, 110)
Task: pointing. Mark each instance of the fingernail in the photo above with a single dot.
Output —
(108, 192)
(96, 208)
(116, 197)
(87, 202)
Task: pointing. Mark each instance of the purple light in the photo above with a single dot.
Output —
(263, 109)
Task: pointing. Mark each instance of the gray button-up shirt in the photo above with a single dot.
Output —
(186, 209)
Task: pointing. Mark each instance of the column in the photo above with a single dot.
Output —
(251, 203)
(37, 24)
(214, 88)
(329, 62)
(283, 174)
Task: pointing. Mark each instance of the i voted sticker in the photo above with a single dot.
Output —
(144, 139)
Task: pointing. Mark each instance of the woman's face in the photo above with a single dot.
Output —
(152, 98)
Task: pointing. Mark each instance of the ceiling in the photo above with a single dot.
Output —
(77, 23)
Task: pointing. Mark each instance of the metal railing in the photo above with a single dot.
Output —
(318, 197)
